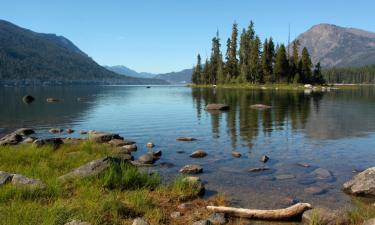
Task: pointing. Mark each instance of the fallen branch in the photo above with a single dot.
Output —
(275, 214)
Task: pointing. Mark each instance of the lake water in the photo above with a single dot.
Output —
(332, 130)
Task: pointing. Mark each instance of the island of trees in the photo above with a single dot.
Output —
(255, 62)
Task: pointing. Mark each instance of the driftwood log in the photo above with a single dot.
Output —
(275, 214)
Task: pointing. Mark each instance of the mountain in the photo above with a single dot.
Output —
(336, 46)
(123, 70)
(180, 77)
(30, 58)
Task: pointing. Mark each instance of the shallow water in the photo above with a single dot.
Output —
(332, 130)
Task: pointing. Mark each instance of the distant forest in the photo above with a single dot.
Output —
(255, 62)
(354, 75)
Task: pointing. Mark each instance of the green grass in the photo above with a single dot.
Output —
(360, 213)
(115, 196)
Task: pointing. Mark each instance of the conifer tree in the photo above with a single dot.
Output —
(197, 73)
(281, 65)
(216, 61)
(317, 75)
(205, 79)
(305, 66)
(255, 69)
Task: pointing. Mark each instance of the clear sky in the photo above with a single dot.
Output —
(165, 35)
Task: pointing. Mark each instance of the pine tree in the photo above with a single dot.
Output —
(255, 69)
(216, 62)
(281, 65)
(305, 66)
(205, 79)
(267, 60)
(293, 63)
(233, 52)
(317, 75)
(197, 73)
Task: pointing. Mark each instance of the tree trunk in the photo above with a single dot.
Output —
(275, 214)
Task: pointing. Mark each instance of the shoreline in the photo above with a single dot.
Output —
(283, 87)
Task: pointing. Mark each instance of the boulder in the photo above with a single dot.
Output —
(28, 99)
(260, 106)
(217, 107)
(147, 158)
(50, 100)
(236, 154)
(77, 222)
(24, 131)
(324, 216)
(21, 180)
(191, 169)
(217, 218)
(185, 139)
(128, 148)
(150, 145)
(55, 130)
(102, 137)
(198, 154)
(125, 157)
(362, 184)
(264, 159)
(140, 221)
(91, 168)
(120, 142)
(11, 139)
(202, 222)
(5, 177)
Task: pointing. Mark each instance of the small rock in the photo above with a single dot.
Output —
(83, 132)
(157, 154)
(264, 159)
(19, 179)
(29, 140)
(28, 99)
(125, 157)
(185, 139)
(369, 222)
(308, 86)
(236, 154)
(260, 106)
(175, 215)
(185, 206)
(202, 222)
(191, 169)
(166, 165)
(147, 158)
(306, 180)
(55, 130)
(362, 184)
(24, 131)
(150, 145)
(50, 100)
(69, 131)
(140, 221)
(315, 190)
(77, 222)
(217, 218)
(5, 177)
(323, 174)
(120, 142)
(285, 177)
(102, 137)
(303, 165)
(217, 107)
(258, 169)
(130, 148)
(325, 216)
(198, 154)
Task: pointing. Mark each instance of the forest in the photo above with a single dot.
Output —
(350, 75)
(255, 62)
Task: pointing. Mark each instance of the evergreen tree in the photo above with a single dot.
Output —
(205, 79)
(267, 60)
(216, 61)
(233, 52)
(293, 63)
(255, 69)
(281, 65)
(197, 72)
(317, 75)
(305, 66)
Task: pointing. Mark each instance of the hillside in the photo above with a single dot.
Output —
(30, 58)
(123, 70)
(336, 46)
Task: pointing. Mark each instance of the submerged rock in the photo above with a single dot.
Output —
(217, 107)
(191, 169)
(285, 176)
(258, 169)
(315, 190)
(185, 139)
(28, 99)
(69, 131)
(323, 174)
(362, 184)
(260, 106)
(198, 154)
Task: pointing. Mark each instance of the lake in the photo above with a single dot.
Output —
(334, 131)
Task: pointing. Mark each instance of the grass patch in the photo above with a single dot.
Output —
(360, 213)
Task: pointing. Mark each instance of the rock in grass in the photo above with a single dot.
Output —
(91, 168)
(102, 137)
(21, 180)
(185, 206)
(176, 214)
(264, 159)
(55, 142)
(260, 106)
(217, 107)
(236, 154)
(362, 184)
(217, 218)
(5, 177)
(196, 183)
(185, 139)
(191, 169)
(77, 222)
(198, 154)
(140, 221)
(28, 99)
(202, 222)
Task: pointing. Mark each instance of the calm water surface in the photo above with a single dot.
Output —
(332, 130)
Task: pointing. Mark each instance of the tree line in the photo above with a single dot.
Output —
(255, 62)
(351, 75)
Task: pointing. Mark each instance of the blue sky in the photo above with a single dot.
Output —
(165, 35)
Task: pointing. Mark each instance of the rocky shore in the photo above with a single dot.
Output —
(189, 208)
